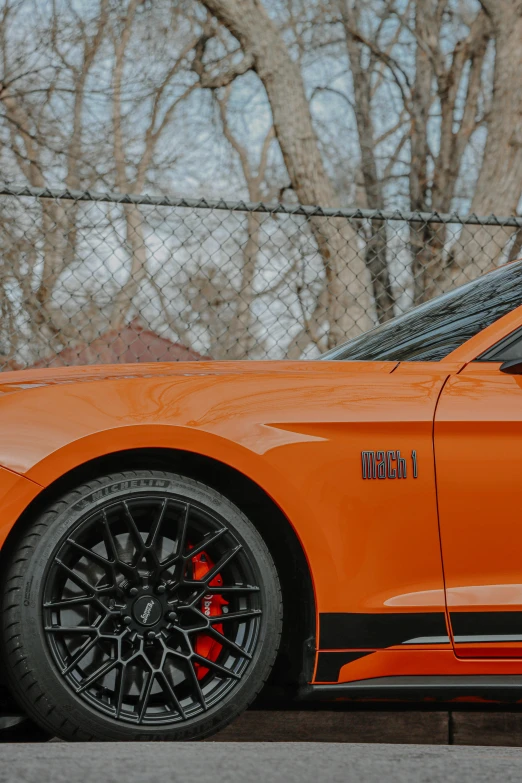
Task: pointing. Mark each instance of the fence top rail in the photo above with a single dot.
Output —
(259, 206)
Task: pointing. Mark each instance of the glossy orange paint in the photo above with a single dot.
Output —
(298, 429)
(422, 662)
(16, 493)
(478, 436)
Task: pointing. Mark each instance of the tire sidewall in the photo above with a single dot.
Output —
(74, 508)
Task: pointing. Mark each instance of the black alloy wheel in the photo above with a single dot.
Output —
(123, 613)
(158, 611)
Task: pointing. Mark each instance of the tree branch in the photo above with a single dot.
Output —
(224, 78)
(491, 8)
(120, 45)
(394, 66)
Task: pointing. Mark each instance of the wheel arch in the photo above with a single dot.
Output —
(295, 661)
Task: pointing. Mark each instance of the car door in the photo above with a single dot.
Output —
(478, 450)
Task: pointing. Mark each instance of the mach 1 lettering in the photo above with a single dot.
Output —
(387, 465)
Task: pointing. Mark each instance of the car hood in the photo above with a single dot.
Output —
(55, 419)
(20, 380)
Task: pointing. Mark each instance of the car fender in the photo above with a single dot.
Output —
(48, 432)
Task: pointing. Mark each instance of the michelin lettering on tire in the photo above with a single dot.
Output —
(120, 486)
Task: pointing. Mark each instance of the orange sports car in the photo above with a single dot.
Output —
(177, 538)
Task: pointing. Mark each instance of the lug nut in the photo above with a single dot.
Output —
(127, 620)
(161, 588)
(172, 616)
(151, 634)
(133, 591)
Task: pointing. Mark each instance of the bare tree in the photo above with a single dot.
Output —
(241, 331)
(457, 125)
(362, 77)
(163, 106)
(108, 94)
(46, 110)
(29, 117)
(437, 85)
(265, 51)
(499, 186)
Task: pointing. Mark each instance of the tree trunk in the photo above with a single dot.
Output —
(138, 252)
(347, 277)
(426, 243)
(499, 185)
(429, 265)
(242, 336)
(376, 255)
(376, 246)
(515, 251)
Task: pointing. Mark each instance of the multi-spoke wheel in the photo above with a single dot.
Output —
(142, 605)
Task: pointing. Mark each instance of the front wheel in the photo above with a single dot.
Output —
(140, 606)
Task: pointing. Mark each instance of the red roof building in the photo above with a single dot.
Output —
(130, 343)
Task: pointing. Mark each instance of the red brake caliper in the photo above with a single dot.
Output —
(211, 606)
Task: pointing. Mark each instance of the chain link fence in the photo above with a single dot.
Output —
(90, 278)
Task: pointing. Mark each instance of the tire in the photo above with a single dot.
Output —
(115, 611)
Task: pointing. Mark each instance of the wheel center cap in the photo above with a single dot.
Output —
(147, 610)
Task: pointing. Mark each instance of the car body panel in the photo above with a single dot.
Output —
(478, 436)
(298, 430)
(441, 662)
(16, 493)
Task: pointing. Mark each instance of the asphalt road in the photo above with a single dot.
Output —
(230, 762)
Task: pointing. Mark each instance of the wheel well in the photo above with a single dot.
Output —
(294, 663)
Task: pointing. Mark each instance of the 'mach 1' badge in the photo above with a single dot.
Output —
(387, 465)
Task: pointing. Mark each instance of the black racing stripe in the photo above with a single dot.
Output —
(486, 623)
(346, 630)
(329, 664)
(504, 689)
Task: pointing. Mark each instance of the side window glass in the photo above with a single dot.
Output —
(508, 349)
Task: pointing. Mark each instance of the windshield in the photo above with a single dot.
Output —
(434, 329)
